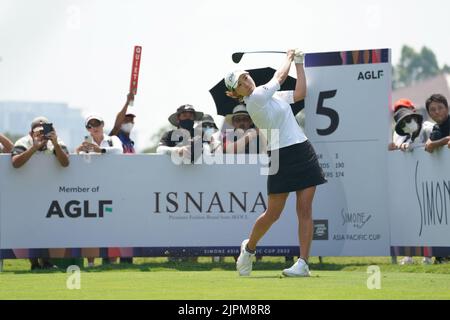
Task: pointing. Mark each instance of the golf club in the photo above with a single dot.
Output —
(237, 56)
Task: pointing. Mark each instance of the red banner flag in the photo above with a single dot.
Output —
(135, 69)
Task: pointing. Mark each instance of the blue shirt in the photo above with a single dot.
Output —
(127, 143)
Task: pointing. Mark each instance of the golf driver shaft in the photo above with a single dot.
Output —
(265, 52)
(237, 56)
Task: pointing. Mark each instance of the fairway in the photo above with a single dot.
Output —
(340, 278)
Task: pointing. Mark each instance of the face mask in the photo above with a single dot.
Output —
(127, 127)
(410, 127)
(207, 133)
(187, 124)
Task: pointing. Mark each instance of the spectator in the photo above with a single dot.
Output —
(6, 145)
(245, 138)
(122, 129)
(99, 145)
(36, 141)
(26, 147)
(181, 141)
(410, 129)
(123, 126)
(210, 145)
(210, 134)
(437, 108)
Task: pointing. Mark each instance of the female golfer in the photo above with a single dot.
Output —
(289, 150)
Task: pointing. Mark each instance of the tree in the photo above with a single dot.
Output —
(415, 66)
(446, 69)
(429, 65)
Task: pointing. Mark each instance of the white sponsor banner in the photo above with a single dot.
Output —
(133, 201)
(128, 201)
(147, 201)
(419, 189)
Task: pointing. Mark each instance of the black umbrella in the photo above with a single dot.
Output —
(225, 104)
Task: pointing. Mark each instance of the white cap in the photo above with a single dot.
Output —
(93, 117)
(238, 110)
(232, 78)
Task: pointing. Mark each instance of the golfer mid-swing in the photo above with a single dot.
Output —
(298, 167)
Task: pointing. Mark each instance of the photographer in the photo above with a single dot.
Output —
(42, 139)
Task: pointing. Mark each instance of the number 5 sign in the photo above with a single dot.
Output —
(348, 95)
(347, 121)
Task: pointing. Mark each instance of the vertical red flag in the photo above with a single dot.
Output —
(135, 69)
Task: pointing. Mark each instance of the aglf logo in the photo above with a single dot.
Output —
(78, 209)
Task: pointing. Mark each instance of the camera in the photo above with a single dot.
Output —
(47, 128)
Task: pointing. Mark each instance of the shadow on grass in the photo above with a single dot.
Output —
(197, 266)
(277, 266)
(279, 276)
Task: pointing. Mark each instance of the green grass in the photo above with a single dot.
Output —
(156, 278)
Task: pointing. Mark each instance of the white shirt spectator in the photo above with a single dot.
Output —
(271, 110)
(111, 144)
(421, 139)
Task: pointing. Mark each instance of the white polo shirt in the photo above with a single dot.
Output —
(271, 110)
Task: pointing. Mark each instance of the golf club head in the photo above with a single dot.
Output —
(237, 56)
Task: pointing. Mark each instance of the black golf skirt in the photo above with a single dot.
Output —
(298, 169)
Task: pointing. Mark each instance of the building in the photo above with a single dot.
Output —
(16, 117)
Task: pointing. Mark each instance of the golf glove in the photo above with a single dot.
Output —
(299, 57)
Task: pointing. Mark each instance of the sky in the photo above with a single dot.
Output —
(80, 51)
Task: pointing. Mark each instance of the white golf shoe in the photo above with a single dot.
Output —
(299, 269)
(244, 263)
